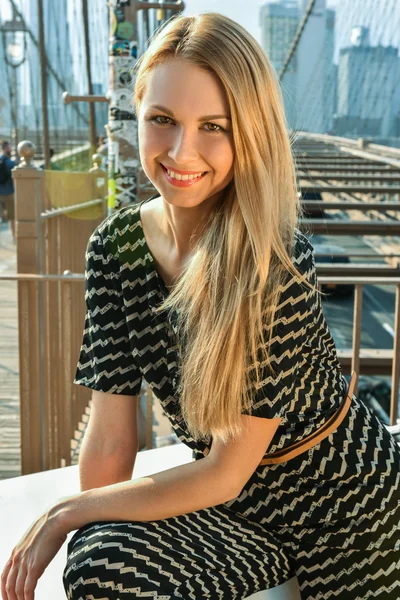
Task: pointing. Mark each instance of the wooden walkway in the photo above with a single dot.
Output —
(9, 367)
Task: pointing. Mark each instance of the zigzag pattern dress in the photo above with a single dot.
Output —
(330, 516)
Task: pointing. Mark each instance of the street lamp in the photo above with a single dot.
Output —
(14, 44)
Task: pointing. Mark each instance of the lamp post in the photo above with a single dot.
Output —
(14, 44)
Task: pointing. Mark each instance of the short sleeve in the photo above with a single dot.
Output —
(275, 391)
(106, 361)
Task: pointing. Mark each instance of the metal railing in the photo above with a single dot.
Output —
(35, 415)
(52, 232)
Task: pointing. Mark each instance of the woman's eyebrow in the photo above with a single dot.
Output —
(171, 114)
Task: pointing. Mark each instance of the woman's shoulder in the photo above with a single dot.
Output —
(119, 223)
(117, 229)
(303, 252)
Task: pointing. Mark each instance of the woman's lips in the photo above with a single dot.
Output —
(179, 182)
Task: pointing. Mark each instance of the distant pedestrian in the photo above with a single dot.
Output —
(102, 149)
(7, 185)
(54, 166)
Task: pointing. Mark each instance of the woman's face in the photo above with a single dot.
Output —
(185, 133)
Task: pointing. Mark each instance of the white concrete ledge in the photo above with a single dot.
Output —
(24, 499)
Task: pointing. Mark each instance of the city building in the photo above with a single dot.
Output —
(310, 80)
(331, 71)
(279, 22)
(315, 73)
(368, 88)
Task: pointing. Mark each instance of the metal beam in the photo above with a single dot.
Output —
(372, 156)
(340, 161)
(335, 270)
(343, 177)
(352, 189)
(357, 169)
(68, 99)
(363, 206)
(92, 113)
(332, 227)
(372, 362)
(43, 79)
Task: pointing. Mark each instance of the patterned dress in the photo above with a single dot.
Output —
(329, 516)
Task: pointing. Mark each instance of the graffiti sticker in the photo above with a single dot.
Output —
(120, 48)
(125, 30)
(122, 99)
(133, 48)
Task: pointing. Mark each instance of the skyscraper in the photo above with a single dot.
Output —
(279, 22)
(368, 88)
(313, 56)
(330, 76)
(309, 81)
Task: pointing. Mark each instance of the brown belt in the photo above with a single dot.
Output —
(315, 438)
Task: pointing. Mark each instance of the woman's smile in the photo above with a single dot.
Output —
(182, 179)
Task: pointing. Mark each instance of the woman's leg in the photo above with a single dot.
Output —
(212, 553)
(331, 574)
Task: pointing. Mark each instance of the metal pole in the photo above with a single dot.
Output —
(43, 76)
(123, 151)
(123, 156)
(15, 85)
(92, 113)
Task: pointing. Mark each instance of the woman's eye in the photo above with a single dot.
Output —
(213, 127)
(161, 120)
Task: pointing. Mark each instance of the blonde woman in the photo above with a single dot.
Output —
(208, 291)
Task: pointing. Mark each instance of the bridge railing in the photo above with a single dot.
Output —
(55, 215)
(56, 212)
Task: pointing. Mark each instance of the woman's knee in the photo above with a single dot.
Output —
(106, 560)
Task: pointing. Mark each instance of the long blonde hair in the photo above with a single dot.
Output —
(227, 297)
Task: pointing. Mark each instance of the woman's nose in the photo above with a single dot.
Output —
(183, 148)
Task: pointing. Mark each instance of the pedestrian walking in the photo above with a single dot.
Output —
(7, 186)
(209, 291)
(54, 165)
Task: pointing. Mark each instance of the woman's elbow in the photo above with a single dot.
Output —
(102, 468)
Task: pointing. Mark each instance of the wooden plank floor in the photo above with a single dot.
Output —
(9, 368)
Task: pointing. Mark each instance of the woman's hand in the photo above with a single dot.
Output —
(31, 556)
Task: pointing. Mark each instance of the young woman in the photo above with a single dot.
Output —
(208, 291)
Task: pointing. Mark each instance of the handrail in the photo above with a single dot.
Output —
(47, 214)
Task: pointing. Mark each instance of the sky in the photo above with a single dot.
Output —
(246, 12)
(381, 16)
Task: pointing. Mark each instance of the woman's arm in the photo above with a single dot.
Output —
(110, 445)
(217, 478)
